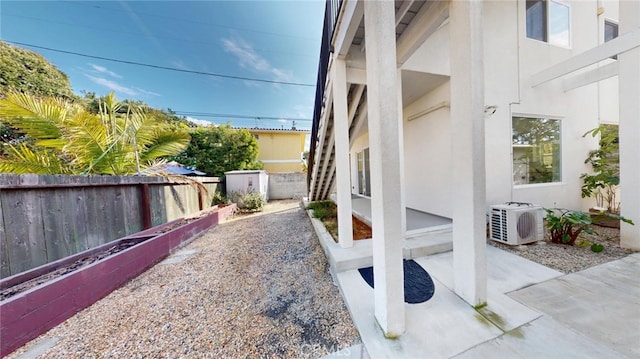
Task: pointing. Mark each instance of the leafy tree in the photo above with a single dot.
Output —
(216, 150)
(68, 139)
(605, 161)
(26, 71)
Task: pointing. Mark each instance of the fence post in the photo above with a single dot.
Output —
(145, 205)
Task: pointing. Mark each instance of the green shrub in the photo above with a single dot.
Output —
(250, 201)
(597, 248)
(323, 210)
(254, 201)
(219, 198)
(565, 225)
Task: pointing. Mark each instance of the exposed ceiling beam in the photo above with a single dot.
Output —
(356, 76)
(348, 22)
(424, 24)
(358, 123)
(620, 44)
(402, 11)
(587, 78)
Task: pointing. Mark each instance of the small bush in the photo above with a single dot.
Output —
(250, 201)
(219, 198)
(597, 247)
(253, 201)
(323, 210)
(565, 225)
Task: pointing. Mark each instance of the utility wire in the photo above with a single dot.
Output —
(207, 114)
(162, 67)
(182, 40)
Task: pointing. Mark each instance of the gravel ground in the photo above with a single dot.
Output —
(569, 259)
(257, 287)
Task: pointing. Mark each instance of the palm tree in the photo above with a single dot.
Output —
(65, 138)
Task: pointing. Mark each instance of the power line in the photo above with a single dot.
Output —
(145, 36)
(162, 67)
(248, 117)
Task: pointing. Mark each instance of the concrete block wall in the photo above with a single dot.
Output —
(287, 185)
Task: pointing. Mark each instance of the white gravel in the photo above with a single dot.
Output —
(569, 259)
(255, 287)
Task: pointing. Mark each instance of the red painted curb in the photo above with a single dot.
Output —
(27, 315)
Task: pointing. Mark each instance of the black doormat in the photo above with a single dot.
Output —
(418, 285)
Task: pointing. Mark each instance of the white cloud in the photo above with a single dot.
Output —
(104, 70)
(112, 85)
(249, 58)
(145, 92)
(180, 65)
(200, 122)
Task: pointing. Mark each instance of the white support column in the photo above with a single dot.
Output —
(629, 128)
(468, 157)
(341, 131)
(386, 185)
(403, 199)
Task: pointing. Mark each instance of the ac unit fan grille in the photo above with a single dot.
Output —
(526, 225)
(499, 225)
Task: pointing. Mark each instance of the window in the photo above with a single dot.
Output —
(364, 180)
(536, 150)
(548, 21)
(610, 33)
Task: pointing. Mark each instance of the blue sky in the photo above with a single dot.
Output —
(269, 40)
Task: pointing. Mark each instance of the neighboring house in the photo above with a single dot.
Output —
(451, 107)
(280, 150)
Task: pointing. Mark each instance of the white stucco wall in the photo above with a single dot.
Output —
(427, 147)
(510, 61)
(577, 109)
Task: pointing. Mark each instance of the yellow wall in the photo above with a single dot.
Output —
(280, 151)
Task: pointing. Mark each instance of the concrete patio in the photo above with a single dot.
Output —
(532, 312)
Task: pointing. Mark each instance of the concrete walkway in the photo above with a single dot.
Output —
(532, 311)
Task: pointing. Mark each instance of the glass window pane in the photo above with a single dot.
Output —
(559, 24)
(610, 31)
(536, 150)
(536, 20)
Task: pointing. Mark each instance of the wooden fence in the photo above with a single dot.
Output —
(47, 217)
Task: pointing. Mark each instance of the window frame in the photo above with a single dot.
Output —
(604, 32)
(547, 24)
(561, 161)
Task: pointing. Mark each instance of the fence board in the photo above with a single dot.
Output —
(43, 218)
(5, 265)
(53, 227)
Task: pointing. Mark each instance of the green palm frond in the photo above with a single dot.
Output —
(21, 159)
(167, 143)
(36, 117)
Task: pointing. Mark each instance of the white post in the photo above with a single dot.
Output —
(403, 198)
(386, 185)
(341, 131)
(468, 157)
(629, 128)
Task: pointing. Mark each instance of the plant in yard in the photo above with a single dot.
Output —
(219, 198)
(565, 225)
(603, 183)
(65, 138)
(250, 201)
(597, 247)
(323, 210)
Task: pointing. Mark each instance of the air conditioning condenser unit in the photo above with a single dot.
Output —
(516, 223)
